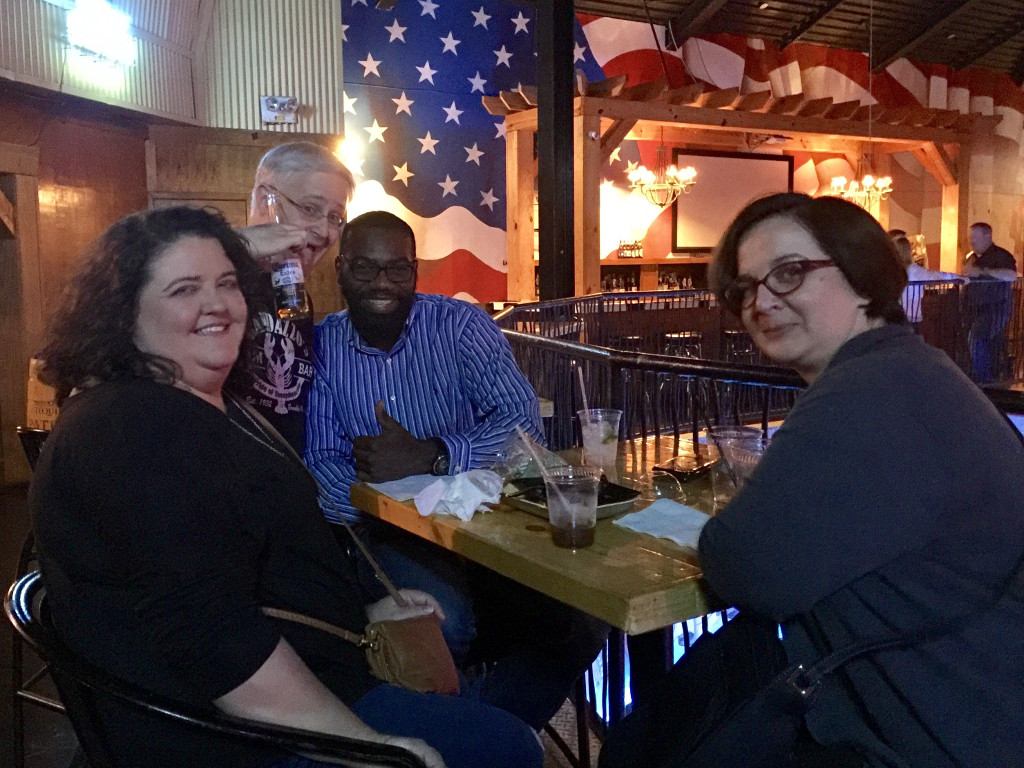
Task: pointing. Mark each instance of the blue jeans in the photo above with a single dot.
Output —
(467, 733)
(535, 647)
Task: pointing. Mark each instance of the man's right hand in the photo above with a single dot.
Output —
(268, 240)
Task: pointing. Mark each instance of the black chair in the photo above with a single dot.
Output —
(27, 690)
(80, 684)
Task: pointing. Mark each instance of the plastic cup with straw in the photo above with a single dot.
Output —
(571, 500)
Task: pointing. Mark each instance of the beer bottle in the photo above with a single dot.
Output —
(286, 276)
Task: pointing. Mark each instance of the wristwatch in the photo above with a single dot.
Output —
(443, 462)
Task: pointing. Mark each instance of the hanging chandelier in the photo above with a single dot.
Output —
(665, 183)
(869, 191)
(866, 193)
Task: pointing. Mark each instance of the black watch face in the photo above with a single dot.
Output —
(441, 465)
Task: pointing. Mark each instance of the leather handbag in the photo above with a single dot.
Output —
(409, 652)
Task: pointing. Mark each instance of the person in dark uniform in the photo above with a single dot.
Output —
(988, 302)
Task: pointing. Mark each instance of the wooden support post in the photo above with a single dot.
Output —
(587, 186)
(519, 209)
(21, 320)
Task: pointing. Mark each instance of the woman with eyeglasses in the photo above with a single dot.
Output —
(889, 504)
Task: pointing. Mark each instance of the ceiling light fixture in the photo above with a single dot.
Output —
(665, 183)
(869, 191)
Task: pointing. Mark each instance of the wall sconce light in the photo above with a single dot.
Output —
(278, 109)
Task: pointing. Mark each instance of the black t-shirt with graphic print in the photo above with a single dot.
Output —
(280, 373)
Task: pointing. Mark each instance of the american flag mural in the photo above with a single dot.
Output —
(423, 146)
(427, 149)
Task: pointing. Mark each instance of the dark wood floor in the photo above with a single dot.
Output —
(49, 741)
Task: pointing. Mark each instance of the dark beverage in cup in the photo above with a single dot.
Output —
(573, 537)
(572, 505)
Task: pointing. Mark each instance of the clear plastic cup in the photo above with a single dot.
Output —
(572, 505)
(742, 448)
(600, 430)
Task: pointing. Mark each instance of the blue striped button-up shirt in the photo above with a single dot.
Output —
(451, 375)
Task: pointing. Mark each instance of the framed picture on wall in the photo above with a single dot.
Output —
(726, 182)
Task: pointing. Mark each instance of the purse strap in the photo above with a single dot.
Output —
(309, 621)
(804, 681)
(271, 433)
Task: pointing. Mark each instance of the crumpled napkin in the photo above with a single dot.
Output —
(667, 519)
(459, 495)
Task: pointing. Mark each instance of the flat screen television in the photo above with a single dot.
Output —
(726, 182)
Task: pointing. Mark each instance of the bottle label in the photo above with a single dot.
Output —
(288, 272)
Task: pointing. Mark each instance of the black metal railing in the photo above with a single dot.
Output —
(658, 394)
(979, 324)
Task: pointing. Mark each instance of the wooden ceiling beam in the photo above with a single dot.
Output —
(809, 21)
(613, 137)
(1017, 71)
(690, 23)
(932, 26)
(1007, 33)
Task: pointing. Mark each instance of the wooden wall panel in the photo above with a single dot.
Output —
(71, 168)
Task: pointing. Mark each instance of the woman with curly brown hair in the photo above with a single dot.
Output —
(167, 516)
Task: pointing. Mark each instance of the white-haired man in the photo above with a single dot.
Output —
(312, 188)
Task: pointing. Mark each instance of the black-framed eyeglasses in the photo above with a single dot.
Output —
(366, 271)
(782, 280)
(311, 212)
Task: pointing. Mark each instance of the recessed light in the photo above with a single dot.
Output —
(763, 6)
(951, 35)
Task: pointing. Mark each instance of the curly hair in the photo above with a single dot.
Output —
(845, 232)
(91, 337)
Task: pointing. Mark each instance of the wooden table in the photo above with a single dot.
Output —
(635, 582)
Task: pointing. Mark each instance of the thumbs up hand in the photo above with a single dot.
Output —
(392, 454)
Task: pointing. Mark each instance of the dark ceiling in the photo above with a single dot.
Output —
(958, 33)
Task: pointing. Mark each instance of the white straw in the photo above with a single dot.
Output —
(543, 471)
(583, 393)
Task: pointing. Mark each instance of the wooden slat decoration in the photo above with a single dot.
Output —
(513, 101)
(844, 110)
(9, 228)
(495, 105)
(787, 105)
(919, 116)
(752, 102)
(644, 91)
(610, 86)
(723, 97)
(900, 115)
(815, 107)
(529, 94)
(686, 95)
(614, 136)
(941, 118)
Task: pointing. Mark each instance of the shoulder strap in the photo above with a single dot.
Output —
(309, 621)
(810, 677)
(278, 438)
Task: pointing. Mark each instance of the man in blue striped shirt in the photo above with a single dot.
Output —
(409, 383)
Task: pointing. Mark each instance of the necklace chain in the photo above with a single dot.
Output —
(259, 435)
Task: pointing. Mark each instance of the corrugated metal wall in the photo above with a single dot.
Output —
(32, 50)
(273, 47)
(211, 76)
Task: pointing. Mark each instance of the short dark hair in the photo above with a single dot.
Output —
(91, 337)
(376, 220)
(845, 232)
(984, 226)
